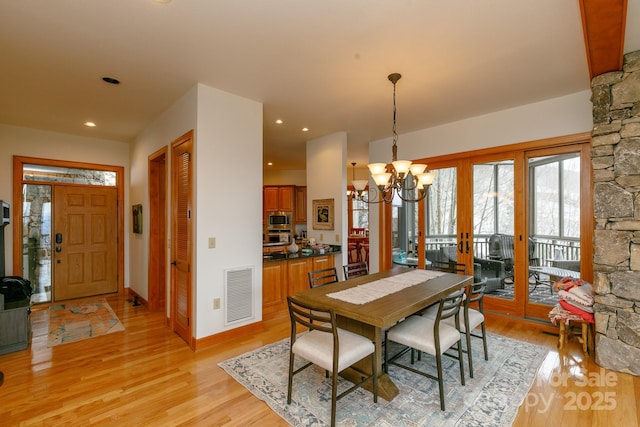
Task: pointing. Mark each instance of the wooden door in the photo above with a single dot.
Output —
(84, 241)
(182, 236)
(157, 273)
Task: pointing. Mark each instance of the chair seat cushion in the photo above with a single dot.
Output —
(475, 319)
(317, 347)
(417, 332)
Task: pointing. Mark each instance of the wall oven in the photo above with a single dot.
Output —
(279, 235)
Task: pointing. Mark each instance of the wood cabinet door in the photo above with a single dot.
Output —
(321, 262)
(297, 277)
(286, 199)
(271, 199)
(300, 212)
(273, 288)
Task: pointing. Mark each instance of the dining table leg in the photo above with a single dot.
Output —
(386, 387)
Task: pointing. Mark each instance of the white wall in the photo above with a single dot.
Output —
(326, 179)
(170, 125)
(551, 118)
(229, 201)
(228, 193)
(28, 142)
(285, 177)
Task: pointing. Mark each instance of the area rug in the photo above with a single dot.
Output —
(75, 321)
(491, 398)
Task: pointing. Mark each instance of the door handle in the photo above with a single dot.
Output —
(174, 262)
(58, 238)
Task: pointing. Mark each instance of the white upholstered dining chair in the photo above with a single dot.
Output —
(431, 336)
(471, 316)
(316, 338)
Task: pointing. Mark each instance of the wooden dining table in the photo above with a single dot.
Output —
(370, 318)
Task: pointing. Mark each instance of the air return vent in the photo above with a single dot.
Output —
(238, 290)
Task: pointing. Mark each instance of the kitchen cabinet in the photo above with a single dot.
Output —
(278, 198)
(300, 212)
(273, 293)
(321, 262)
(297, 278)
(288, 277)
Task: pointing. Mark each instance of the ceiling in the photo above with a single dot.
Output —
(316, 64)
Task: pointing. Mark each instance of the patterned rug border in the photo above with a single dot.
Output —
(491, 398)
(95, 318)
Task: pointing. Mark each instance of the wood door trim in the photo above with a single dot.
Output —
(16, 217)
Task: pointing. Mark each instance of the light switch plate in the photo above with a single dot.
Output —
(212, 242)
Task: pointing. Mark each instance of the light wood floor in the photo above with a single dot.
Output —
(148, 376)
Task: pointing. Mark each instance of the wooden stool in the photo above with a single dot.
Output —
(583, 338)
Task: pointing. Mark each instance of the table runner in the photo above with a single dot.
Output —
(371, 291)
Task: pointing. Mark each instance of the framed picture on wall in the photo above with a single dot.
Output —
(323, 214)
(137, 218)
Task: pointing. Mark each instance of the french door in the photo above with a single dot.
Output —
(505, 214)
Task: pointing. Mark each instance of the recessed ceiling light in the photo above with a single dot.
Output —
(305, 129)
(90, 124)
(111, 80)
(279, 122)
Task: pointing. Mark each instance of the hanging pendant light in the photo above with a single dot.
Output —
(359, 185)
(406, 179)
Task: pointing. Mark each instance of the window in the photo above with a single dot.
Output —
(45, 173)
(359, 214)
(555, 190)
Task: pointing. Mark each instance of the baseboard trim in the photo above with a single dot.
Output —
(222, 337)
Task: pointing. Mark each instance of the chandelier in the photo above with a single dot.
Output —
(406, 179)
(359, 185)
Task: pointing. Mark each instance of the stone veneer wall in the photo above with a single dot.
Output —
(615, 158)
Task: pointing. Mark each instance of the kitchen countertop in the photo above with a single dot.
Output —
(285, 256)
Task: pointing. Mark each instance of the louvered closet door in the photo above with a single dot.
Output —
(182, 241)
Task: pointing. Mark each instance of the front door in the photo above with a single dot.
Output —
(84, 241)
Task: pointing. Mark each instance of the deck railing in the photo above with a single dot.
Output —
(546, 249)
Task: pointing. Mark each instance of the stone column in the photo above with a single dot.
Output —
(615, 159)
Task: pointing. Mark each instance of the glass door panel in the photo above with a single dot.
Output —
(554, 223)
(493, 227)
(441, 217)
(36, 240)
(404, 228)
(435, 218)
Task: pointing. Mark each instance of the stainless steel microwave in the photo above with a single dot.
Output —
(280, 220)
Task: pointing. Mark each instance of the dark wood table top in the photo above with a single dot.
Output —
(386, 311)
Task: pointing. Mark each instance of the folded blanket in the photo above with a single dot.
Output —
(567, 283)
(578, 298)
(575, 310)
(584, 293)
(569, 298)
